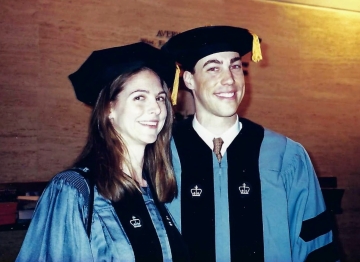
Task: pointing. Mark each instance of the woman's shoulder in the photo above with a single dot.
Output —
(71, 179)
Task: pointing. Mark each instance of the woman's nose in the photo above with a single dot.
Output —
(154, 107)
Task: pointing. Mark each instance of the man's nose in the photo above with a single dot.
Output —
(227, 78)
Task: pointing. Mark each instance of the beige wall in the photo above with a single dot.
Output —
(306, 88)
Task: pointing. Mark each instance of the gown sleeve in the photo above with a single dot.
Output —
(57, 231)
(310, 223)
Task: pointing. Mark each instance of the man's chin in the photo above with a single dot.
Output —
(228, 111)
(227, 114)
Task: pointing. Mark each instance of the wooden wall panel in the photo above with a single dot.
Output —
(19, 69)
(350, 5)
(307, 87)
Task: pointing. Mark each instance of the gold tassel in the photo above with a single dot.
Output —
(175, 88)
(256, 49)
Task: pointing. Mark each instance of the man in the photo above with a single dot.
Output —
(258, 198)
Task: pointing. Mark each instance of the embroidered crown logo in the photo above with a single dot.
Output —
(196, 192)
(135, 222)
(244, 190)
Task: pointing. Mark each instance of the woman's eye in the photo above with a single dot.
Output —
(161, 98)
(139, 98)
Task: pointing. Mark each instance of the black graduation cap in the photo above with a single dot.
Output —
(189, 47)
(104, 66)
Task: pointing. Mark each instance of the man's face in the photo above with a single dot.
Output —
(218, 84)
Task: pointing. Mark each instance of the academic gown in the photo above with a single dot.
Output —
(58, 229)
(262, 202)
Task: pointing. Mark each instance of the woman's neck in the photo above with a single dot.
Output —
(136, 160)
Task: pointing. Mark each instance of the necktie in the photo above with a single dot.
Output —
(217, 147)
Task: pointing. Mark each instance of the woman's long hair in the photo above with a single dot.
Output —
(105, 152)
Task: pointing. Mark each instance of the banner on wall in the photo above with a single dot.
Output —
(161, 37)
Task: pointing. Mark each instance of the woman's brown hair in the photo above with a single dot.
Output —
(105, 151)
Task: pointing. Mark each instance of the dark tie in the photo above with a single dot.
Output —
(217, 147)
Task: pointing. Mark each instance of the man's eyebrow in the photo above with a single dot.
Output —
(235, 59)
(212, 61)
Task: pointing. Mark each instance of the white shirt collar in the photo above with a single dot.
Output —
(228, 136)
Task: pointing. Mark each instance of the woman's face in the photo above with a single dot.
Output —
(138, 114)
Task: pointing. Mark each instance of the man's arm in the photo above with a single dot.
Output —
(310, 224)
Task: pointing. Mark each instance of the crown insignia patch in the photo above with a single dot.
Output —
(244, 189)
(135, 222)
(196, 191)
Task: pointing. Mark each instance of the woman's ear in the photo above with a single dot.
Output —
(188, 80)
(111, 111)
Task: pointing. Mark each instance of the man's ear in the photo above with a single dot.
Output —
(188, 80)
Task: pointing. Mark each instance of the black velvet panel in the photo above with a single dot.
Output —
(326, 253)
(144, 239)
(317, 226)
(197, 212)
(245, 209)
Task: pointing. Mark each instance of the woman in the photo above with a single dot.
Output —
(126, 157)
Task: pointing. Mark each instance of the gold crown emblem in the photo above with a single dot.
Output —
(196, 192)
(244, 190)
(135, 222)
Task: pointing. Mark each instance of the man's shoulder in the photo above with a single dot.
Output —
(279, 140)
(269, 134)
(275, 143)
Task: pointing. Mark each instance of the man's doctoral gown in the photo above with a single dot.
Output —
(262, 202)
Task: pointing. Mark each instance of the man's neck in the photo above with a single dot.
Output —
(216, 125)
